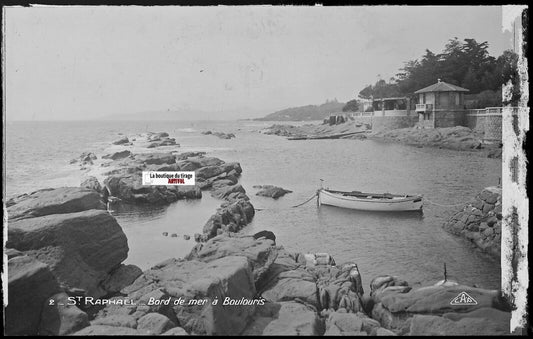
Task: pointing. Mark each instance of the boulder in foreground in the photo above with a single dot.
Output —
(81, 248)
(30, 285)
(228, 277)
(54, 201)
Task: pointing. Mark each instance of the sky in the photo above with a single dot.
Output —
(82, 62)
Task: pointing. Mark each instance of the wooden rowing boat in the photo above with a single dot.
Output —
(327, 136)
(370, 201)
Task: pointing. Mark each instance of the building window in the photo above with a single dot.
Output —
(457, 99)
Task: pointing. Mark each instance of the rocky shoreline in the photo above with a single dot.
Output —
(66, 272)
(480, 221)
(457, 138)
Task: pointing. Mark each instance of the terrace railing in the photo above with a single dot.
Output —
(491, 111)
(424, 107)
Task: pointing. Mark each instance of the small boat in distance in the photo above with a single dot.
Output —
(370, 201)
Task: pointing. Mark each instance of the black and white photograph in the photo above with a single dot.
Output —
(265, 170)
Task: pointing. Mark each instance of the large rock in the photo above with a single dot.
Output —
(123, 140)
(60, 316)
(382, 282)
(121, 277)
(219, 182)
(30, 285)
(159, 139)
(106, 330)
(260, 253)
(284, 262)
(344, 324)
(398, 305)
(340, 287)
(207, 161)
(293, 284)
(156, 135)
(229, 277)
(117, 320)
(208, 171)
(484, 321)
(92, 183)
(81, 248)
(156, 158)
(175, 331)
(86, 158)
(186, 155)
(225, 191)
(117, 155)
(129, 188)
(221, 135)
(154, 323)
(188, 165)
(271, 191)
(436, 300)
(294, 319)
(231, 217)
(55, 201)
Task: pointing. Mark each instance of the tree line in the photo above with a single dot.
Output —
(464, 63)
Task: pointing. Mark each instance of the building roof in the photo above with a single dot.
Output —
(442, 86)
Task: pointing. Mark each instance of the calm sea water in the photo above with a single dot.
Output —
(411, 246)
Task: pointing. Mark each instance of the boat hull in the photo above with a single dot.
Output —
(413, 203)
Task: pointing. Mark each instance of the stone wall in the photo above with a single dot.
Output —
(476, 122)
(493, 127)
(488, 121)
(393, 122)
(449, 118)
(480, 221)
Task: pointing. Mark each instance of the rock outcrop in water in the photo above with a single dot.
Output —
(221, 135)
(61, 240)
(347, 130)
(121, 141)
(480, 221)
(86, 158)
(124, 181)
(117, 155)
(271, 191)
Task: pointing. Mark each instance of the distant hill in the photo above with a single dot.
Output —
(306, 113)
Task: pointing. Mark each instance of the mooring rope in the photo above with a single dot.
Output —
(305, 202)
(295, 206)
